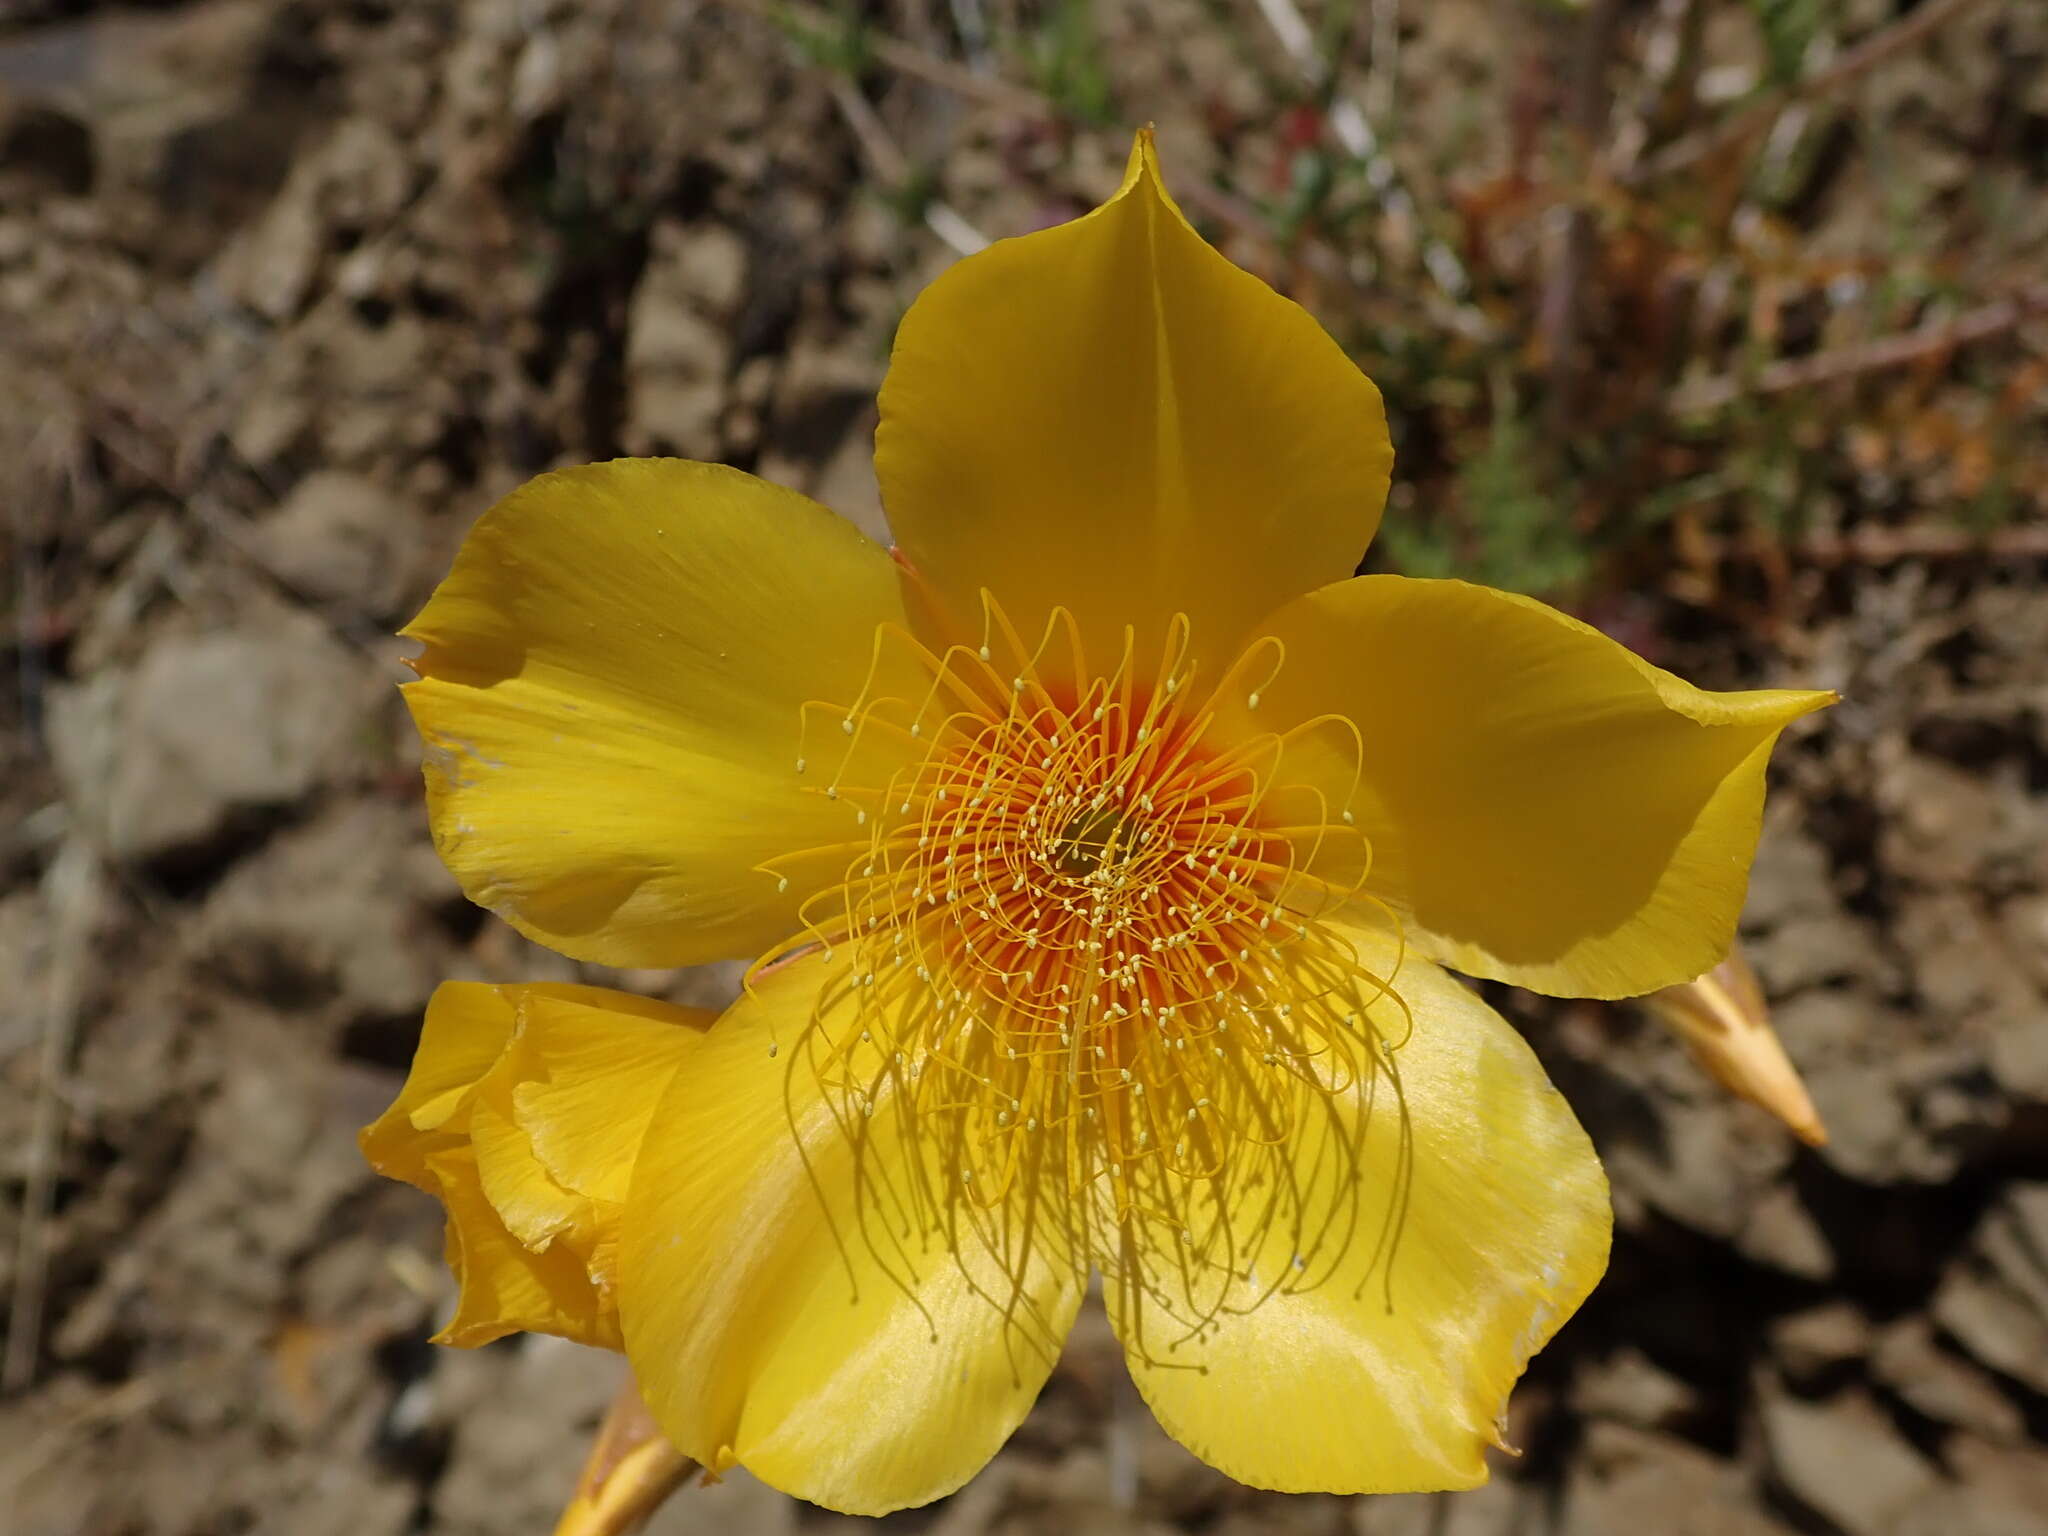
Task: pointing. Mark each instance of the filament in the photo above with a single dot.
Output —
(1085, 950)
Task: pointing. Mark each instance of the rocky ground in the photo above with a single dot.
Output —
(291, 289)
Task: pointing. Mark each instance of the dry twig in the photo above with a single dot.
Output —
(1561, 309)
(1761, 112)
(71, 896)
(1876, 545)
(1848, 362)
(906, 58)
(892, 167)
(1355, 133)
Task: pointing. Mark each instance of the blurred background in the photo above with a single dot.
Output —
(1723, 323)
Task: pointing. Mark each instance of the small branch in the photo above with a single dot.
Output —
(892, 167)
(1348, 122)
(72, 894)
(1760, 113)
(885, 159)
(1863, 357)
(1875, 545)
(1561, 310)
(906, 58)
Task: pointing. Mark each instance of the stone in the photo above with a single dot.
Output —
(1827, 1025)
(679, 355)
(1631, 1389)
(1927, 1378)
(1791, 875)
(1949, 1510)
(1815, 948)
(1940, 822)
(1844, 1462)
(2024, 920)
(332, 911)
(1961, 964)
(519, 1435)
(1779, 1231)
(206, 727)
(1707, 1169)
(1496, 1508)
(1872, 1136)
(1995, 1324)
(1817, 1347)
(846, 483)
(273, 423)
(1626, 1482)
(271, 267)
(1398, 1514)
(1998, 1491)
(2018, 1052)
(2015, 1238)
(337, 538)
(196, 116)
(1994, 1300)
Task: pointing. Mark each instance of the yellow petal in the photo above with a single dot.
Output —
(1111, 417)
(784, 1305)
(534, 1208)
(467, 1027)
(1448, 1218)
(532, 1188)
(1544, 806)
(612, 704)
(465, 1030)
(506, 1287)
(600, 1068)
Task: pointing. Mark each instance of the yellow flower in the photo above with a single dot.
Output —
(1098, 853)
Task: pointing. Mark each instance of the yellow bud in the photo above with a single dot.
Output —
(1726, 1025)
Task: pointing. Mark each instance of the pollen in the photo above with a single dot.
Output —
(1083, 872)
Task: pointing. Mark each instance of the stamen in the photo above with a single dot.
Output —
(1084, 874)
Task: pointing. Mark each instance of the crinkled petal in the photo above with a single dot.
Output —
(534, 1208)
(523, 1112)
(1111, 417)
(465, 1030)
(1544, 806)
(612, 700)
(1448, 1215)
(505, 1286)
(788, 1306)
(600, 1070)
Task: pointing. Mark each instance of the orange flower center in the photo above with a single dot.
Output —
(1083, 950)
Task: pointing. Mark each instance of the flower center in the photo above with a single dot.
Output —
(1089, 838)
(1083, 952)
